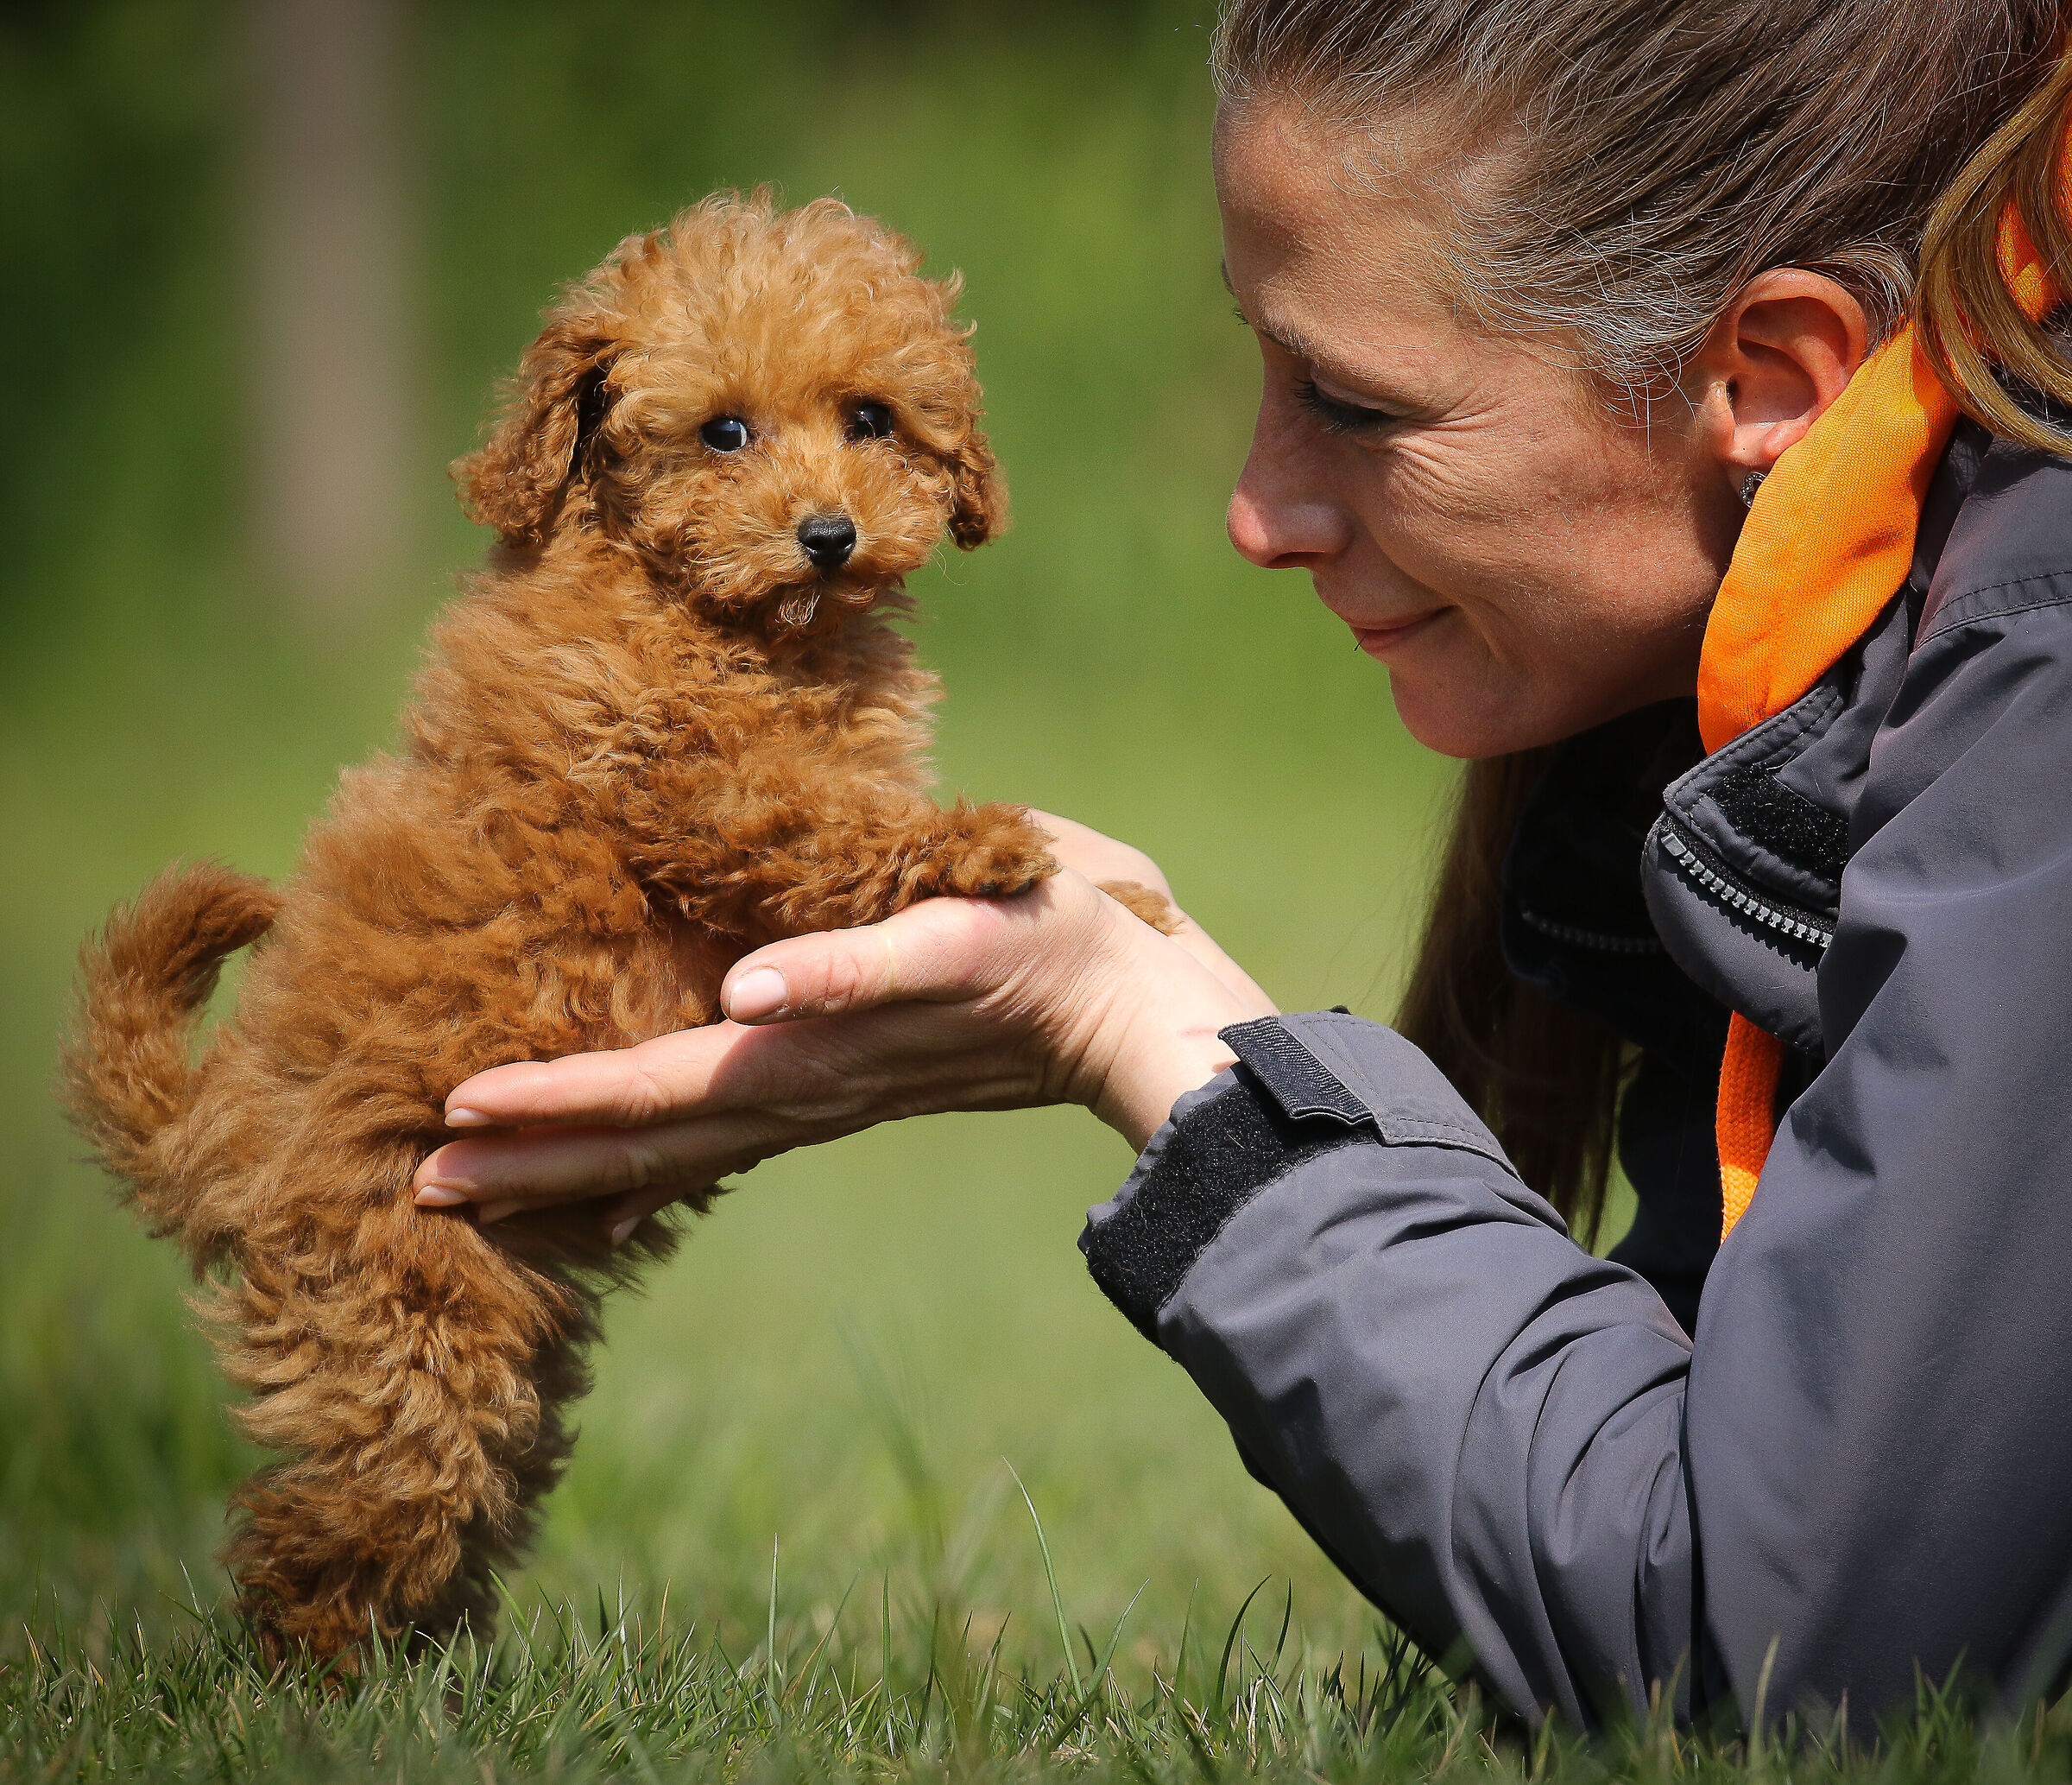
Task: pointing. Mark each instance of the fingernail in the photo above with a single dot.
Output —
(466, 1118)
(759, 992)
(497, 1210)
(623, 1231)
(439, 1196)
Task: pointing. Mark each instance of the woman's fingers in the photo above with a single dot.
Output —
(547, 1168)
(937, 950)
(924, 953)
(678, 1113)
(626, 1212)
(540, 1167)
(621, 1087)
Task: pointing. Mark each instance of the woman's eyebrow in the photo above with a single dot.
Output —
(1297, 346)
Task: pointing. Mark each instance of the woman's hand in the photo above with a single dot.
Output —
(1059, 996)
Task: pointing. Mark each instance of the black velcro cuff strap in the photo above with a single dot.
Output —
(1200, 1171)
(1301, 1084)
(1331, 1064)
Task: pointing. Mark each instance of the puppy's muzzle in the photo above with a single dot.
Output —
(827, 540)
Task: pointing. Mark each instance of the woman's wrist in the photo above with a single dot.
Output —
(1154, 1033)
(1136, 1102)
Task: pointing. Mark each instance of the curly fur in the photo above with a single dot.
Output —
(650, 737)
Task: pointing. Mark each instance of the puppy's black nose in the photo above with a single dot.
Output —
(828, 539)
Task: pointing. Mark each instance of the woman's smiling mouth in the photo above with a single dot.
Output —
(1379, 642)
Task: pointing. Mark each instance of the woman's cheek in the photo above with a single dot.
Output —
(1483, 680)
(1446, 529)
(1450, 692)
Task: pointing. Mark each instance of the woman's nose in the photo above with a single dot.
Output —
(1279, 525)
(1285, 514)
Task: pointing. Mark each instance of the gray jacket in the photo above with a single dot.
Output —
(1862, 1467)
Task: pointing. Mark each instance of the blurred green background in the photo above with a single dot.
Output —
(258, 284)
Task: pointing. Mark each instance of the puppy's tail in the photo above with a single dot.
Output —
(126, 1073)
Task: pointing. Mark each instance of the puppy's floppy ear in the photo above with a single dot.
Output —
(514, 481)
(978, 502)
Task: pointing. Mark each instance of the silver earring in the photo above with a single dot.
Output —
(1750, 484)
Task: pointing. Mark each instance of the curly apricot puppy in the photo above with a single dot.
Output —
(669, 724)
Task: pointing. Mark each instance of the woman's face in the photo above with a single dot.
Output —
(1526, 563)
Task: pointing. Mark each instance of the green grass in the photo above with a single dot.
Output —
(575, 1694)
(860, 1349)
(857, 1345)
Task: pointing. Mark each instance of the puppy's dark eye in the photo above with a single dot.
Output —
(869, 421)
(725, 434)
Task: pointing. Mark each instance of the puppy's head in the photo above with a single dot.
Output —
(773, 409)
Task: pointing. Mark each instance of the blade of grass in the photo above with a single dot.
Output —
(1093, 1692)
(1064, 1633)
(885, 1627)
(1180, 1661)
(769, 1652)
(1222, 1667)
(840, 1604)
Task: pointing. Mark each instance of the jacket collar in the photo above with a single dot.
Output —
(1831, 532)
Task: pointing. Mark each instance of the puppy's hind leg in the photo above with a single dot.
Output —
(404, 1382)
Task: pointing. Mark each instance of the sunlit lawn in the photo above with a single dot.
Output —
(822, 1406)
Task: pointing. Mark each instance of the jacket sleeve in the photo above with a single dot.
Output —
(1858, 1470)
(1479, 1422)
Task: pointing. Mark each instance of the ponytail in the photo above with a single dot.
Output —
(1970, 321)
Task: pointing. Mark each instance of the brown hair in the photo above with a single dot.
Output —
(1545, 1078)
(1666, 151)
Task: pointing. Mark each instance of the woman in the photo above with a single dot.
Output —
(1544, 289)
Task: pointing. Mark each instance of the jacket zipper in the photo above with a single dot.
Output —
(1703, 867)
(1601, 942)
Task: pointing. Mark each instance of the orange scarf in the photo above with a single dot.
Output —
(1828, 542)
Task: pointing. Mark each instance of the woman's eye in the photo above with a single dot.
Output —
(725, 434)
(869, 421)
(1342, 418)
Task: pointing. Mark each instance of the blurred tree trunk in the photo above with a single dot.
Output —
(333, 433)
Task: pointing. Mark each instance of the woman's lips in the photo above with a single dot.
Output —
(1379, 642)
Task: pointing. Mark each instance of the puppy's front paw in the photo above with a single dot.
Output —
(1140, 901)
(994, 852)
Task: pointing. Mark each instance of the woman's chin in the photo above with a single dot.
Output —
(1472, 717)
(1484, 724)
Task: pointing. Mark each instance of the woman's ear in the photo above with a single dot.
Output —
(1784, 350)
(513, 481)
(978, 505)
